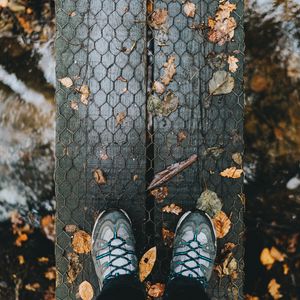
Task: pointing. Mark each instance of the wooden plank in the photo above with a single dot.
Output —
(99, 44)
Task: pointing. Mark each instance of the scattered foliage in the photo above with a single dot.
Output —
(209, 202)
(158, 18)
(221, 83)
(173, 209)
(222, 224)
(189, 9)
(81, 242)
(86, 291)
(160, 193)
(147, 263)
(232, 172)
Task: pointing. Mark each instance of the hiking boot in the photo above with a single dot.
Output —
(113, 246)
(195, 247)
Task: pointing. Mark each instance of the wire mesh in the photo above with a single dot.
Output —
(110, 47)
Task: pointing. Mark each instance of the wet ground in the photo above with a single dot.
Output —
(272, 143)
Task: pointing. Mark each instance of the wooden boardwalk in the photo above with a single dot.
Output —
(104, 122)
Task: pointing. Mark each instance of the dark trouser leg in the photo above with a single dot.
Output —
(121, 288)
(185, 288)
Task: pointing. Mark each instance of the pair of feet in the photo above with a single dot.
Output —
(113, 246)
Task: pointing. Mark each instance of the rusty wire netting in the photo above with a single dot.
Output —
(109, 46)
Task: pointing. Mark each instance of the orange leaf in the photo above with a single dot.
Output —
(86, 291)
(173, 209)
(160, 193)
(147, 263)
(156, 290)
(232, 172)
(81, 242)
(222, 224)
(273, 288)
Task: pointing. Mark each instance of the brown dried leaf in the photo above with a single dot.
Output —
(158, 87)
(147, 263)
(50, 274)
(156, 290)
(222, 26)
(171, 171)
(99, 177)
(222, 224)
(66, 81)
(237, 158)
(169, 70)
(81, 242)
(160, 193)
(232, 63)
(85, 93)
(158, 18)
(32, 286)
(120, 118)
(168, 237)
(273, 288)
(221, 83)
(181, 136)
(71, 228)
(209, 202)
(86, 291)
(48, 227)
(189, 9)
(165, 107)
(173, 209)
(74, 267)
(232, 172)
(228, 267)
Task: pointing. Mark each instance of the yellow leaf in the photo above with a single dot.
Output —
(232, 172)
(86, 291)
(147, 263)
(273, 288)
(81, 242)
(222, 224)
(266, 258)
(277, 254)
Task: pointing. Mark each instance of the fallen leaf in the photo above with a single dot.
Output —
(32, 286)
(232, 172)
(71, 228)
(286, 269)
(221, 83)
(66, 81)
(135, 177)
(158, 87)
(99, 177)
(232, 63)
(249, 297)
(237, 158)
(169, 70)
(181, 136)
(23, 237)
(85, 93)
(25, 24)
(147, 263)
(228, 247)
(50, 274)
(168, 237)
(222, 26)
(165, 107)
(74, 105)
(81, 242)
(156, 290)
(120, 117)
(189, 9)
(160, 193)
(74, 267)
(228, 267)
(86, 291)
(171, 171)
(217, 61)
(209, 202)
(222, 224)
(273, 288)
(173, 209)
(269, 256)
(158, 18)
(103, 156)
(48, 227)
(21, 259)
(259, 83)
(43, 259)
